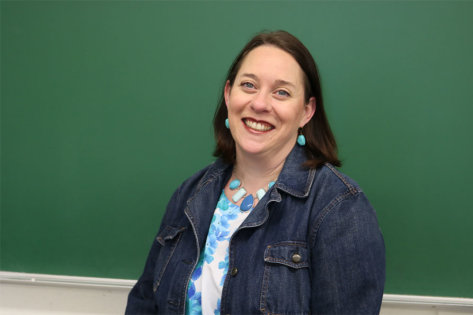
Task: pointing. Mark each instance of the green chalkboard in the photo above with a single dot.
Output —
(107, 108)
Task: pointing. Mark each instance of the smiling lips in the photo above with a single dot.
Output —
(257, 125)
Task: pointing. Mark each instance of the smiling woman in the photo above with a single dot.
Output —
(268, 211)
(266, 105)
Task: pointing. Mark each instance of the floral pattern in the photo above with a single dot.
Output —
(212, 267)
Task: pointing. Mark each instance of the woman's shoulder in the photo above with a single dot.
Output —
(203, 176)
(332, 188)
(341, 202)
(329, 176)
(191, 186)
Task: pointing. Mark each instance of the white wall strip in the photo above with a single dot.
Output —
(87, 295)
(427, 300)
(33, 278)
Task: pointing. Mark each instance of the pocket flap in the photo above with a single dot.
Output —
(291, 254)
(168, 233)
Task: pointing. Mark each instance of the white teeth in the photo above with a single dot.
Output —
(257, 126)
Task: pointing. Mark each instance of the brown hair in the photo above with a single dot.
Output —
(320, 143)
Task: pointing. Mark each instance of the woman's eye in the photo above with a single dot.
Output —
(248, 85)
(282, 93)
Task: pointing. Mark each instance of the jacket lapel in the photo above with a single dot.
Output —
(201, 206)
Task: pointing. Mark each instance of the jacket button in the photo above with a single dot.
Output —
(296, 258)
(234, 272)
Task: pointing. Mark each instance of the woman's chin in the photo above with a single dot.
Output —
(262, 150)
(252, 149)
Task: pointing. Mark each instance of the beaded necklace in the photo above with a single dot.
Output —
(247, 203)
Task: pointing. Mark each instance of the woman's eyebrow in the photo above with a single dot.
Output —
(250, 75)
(283, 82)
(277, 82)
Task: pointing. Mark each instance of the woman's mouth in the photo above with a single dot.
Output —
(257, 125)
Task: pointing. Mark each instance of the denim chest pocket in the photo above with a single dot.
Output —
(286, 279)
(168, 238)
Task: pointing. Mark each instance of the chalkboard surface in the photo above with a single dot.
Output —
(107, 108)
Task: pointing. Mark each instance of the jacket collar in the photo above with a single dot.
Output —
(295, 179)
(201, 205)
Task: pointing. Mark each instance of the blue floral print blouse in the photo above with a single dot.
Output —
(205, 286)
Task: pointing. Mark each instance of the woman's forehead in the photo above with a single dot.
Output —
(271, 62)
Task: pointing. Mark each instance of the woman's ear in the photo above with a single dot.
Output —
(309, 111)
(226, 92)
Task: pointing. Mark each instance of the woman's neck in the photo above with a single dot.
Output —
(255, 172)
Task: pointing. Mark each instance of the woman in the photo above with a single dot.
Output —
(271, 227)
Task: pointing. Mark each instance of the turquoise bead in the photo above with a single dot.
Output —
(271, 184)
(260, 193)
(234, 184)
(247, 203)
(238, 195)
(301, 140)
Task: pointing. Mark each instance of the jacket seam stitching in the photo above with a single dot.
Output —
(352, 189)
(287, 263)
(163, 269)
(264, 289)
(307, 186)
(328, 209)
(210, 175)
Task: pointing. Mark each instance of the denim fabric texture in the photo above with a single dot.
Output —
(312, 245)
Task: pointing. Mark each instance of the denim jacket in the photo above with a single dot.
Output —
(312, 245)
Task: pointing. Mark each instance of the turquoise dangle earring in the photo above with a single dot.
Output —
(301, 138)
(227, 124)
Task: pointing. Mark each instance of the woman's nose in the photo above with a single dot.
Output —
(261, 102)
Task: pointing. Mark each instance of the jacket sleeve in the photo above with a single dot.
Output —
(141, 296)
(347, 258)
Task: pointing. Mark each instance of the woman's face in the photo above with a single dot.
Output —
(266, 103)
